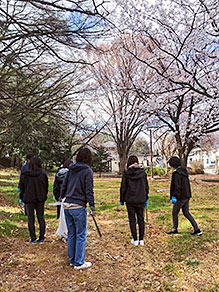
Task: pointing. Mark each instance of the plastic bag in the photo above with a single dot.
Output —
(62, 229)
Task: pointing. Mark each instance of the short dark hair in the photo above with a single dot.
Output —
(174, 162)
(84, 156)
(131, 160)
(35, 163)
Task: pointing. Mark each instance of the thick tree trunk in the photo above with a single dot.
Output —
(123, 160)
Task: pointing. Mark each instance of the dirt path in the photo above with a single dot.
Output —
(117, 265)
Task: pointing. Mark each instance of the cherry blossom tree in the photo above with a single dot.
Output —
(182, 41)
(117, 75)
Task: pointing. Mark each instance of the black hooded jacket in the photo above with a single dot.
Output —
(78, 185)
(34, 186)
(180, 185)
(134, 186)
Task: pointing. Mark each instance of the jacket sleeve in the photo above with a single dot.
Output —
(147, 187)
(176, 185)
(64, 186)
(89, 188)
(21, 182)
(56, 189)
(123, 188)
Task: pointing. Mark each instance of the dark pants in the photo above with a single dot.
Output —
(184, 204)
(133, 211)
(39, 207)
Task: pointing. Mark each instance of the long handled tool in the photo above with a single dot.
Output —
(146, 213)
(95, 222)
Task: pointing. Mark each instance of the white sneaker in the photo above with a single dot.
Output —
(84, 266)
(134, 242)
(141, 242)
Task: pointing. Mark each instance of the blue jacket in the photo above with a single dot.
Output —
(77, 187)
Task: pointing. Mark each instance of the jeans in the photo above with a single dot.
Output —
(39, 207)
(76, 220)
(138, 210)
(184, 204)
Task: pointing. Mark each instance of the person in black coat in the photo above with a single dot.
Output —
(180, 194)
(33, 192)
(134, 191)
(59, 179)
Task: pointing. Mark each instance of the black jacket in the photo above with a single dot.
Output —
(59, 179)
(34, 186)
(180, 185)
(134, 186)
(78, 185)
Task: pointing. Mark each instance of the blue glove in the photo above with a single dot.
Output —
(174, 200)
(122, 203)
(146, 203)
(21, 202)
(18, 190)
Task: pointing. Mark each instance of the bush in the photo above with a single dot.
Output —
(196, 167)
(157, 170)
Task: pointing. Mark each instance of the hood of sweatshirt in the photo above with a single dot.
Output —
(76, 167)
(182, 171)
(134, 172)
(33, 173)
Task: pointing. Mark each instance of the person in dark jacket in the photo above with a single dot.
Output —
(134, 191)
(24, 168)
(33, 192)
(77, 189)
(180, 194)
(59, 179)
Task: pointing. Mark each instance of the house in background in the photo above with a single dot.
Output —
(144, 159)
(208, 158)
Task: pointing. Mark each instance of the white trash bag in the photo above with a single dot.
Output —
(62, 229)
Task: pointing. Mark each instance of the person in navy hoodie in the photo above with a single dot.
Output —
(33, 192)
(180, 194)
(77, 189)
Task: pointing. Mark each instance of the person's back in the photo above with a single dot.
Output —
(78, 185)
(134, 191)
(137, 187)
(34, 186)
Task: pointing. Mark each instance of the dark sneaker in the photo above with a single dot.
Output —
(41, 241)
(33, 241)
(197, 232)
(172, 232)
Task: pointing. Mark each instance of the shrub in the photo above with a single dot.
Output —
(196, 167)
(157, 170)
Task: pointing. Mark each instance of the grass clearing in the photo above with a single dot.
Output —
(165, 263)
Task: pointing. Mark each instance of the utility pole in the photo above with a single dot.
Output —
(151, 152)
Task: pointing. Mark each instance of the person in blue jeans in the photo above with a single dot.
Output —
(134, 191)
(180, 194)
(77, 189)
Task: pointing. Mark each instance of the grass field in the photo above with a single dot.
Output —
(165, 263)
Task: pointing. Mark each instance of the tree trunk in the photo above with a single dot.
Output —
(123, 160)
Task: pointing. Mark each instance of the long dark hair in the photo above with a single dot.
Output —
(84, 156)
(35, 163)
(67, 163)
(131, 160)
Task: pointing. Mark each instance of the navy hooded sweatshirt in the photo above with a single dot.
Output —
(77, 187)
(180, 185)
